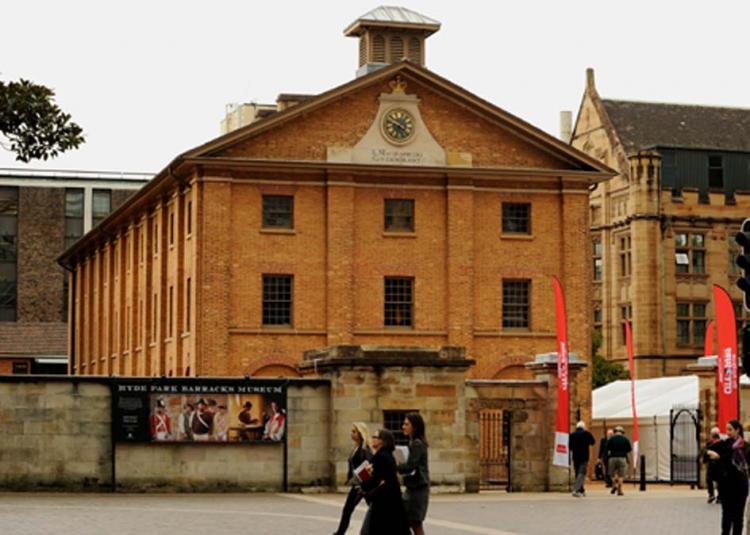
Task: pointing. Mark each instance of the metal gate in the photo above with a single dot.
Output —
(684, 451)
(494, 449)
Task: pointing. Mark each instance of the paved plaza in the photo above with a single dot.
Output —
(659, 510)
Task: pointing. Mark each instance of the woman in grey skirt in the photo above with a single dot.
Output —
(416, 473)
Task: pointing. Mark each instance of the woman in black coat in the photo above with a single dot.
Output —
(386, 515)
(360, 454)
(731, 456)
(416, 473)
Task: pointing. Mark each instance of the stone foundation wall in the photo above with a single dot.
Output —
(56, 433)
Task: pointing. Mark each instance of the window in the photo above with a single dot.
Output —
(690, 253)
(190, 217)
(277, 299)
(415, 50)
(397, 49)
(20, 368)
(393, 420)
(171, 308)
(597, 259)
(278, 211)
(516, 304)
(598, 317)
(102, 205)
(691, 324)
(187, 305)
(171, 228)
(626, 313)
(516, 218)
(399, 215)
(715, 172)
(156, 237)
(73, 215)
(153, 318)
(378, 49)
(8, 252)
(399, 302)
(624, 256)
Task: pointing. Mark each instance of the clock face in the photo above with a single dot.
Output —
(398, 126)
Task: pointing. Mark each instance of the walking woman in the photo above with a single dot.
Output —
(361, 453)
(416, 473)
(732, 457)
(386, 515)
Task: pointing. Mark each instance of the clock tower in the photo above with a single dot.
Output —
(390, 34)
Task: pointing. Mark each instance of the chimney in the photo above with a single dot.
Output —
(566, 125)
(388, 35)
(590, 85)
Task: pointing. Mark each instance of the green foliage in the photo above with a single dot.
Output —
(33, 124)
(602, 370)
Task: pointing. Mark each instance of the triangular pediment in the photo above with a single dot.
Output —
(451, 127)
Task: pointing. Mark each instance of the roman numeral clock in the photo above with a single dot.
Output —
(398, 126)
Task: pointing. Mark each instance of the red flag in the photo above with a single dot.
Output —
(728, 378)
(562, 430)
(631, 366)
(708, 346)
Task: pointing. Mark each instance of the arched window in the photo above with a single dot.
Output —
(397, 49)
(378, 49)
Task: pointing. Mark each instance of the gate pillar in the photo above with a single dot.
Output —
(544, 367)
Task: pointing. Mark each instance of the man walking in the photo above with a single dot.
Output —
(580, 442)
(712, 466)
(618, 448)
(603, 459)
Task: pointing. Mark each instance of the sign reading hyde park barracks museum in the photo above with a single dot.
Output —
(194, 410)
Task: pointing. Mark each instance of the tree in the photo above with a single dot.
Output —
(603, 371)
(34, 126)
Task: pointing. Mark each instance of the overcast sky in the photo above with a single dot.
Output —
(148, 80)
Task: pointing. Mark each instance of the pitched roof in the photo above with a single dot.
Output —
(641, 125)
(519, 127)
(392, 16)
(33, 339)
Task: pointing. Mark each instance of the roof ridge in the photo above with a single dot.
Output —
(679, 104)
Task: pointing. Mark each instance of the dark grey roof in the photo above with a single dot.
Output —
(641, 125)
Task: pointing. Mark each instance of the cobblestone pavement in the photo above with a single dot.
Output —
(659, 510)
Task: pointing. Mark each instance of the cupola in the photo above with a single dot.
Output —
(389, 34)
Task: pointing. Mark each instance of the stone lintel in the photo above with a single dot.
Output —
(548, 361)
(384, 356)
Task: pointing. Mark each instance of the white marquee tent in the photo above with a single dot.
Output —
(654, 400)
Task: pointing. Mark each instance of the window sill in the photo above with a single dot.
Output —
(508, 332)
(185, 335)
(139, 349)
(519, 236)
(398, 234)
(152, 345)
(188, 237)
(126, 353)
(692, 276)
(285, 231)
(168, 340)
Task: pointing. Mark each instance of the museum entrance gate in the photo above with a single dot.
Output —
(494, 449)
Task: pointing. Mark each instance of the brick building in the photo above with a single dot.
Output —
(395, 210)
(41, 214)
(663, 229)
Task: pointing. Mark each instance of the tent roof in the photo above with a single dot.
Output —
(654, 397)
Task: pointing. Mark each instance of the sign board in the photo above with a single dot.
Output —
(199, 410)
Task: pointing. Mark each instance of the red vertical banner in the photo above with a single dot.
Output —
(708, 346)
(727, 370)
(562, 429)
(631, 367)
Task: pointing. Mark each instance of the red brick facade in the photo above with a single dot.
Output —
(338, 251)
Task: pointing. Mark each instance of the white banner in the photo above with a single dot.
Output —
(560, 456)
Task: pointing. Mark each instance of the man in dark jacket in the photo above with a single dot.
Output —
(618, 450)
(580, 442)
(603, 458)
(712, 466)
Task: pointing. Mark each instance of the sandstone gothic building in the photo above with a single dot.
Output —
(397, 209)
(663, 229)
